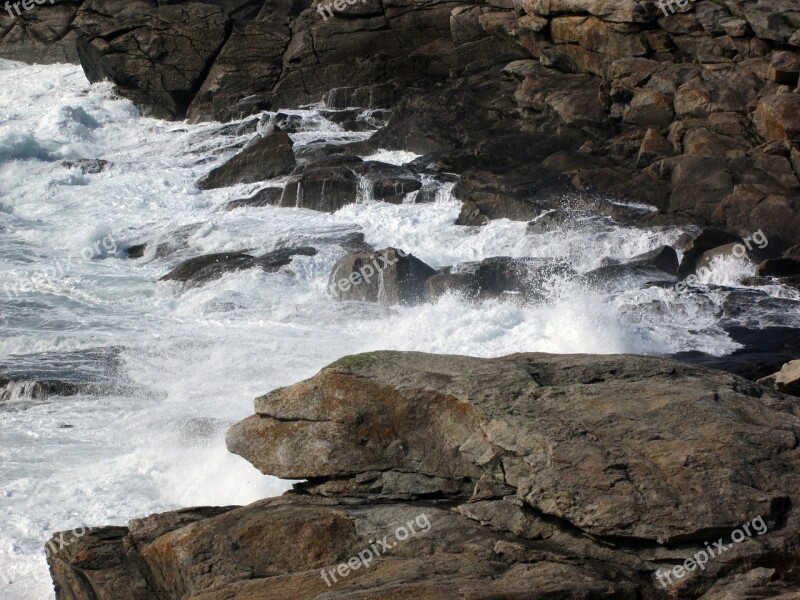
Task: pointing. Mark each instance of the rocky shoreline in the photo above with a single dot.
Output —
(541, 476)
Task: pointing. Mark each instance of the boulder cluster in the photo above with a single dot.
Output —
(541, 476)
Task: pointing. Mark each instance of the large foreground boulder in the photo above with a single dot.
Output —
(530, 476)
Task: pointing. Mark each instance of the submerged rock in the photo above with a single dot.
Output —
(270, 196)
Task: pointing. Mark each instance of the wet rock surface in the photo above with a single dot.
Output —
(531, 475)
(264, 157)
(202, 269)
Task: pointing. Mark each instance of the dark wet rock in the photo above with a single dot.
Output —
(43, 35)
(389, 183)
(87, 166)
(449, 282)
(651, 268)
(764, 351)
(727, 250)
(664, 258)
(157, 55)
(553, 220)
(499, 276)
(202, 269)
(378, 96)
(706, 240)
(43, 375)
(326, 189)
(165, 244)
(779, 267)
(389, 276)
(270, 196)
(264, 157)
(352, 119)
(485, 203)
(695, 113)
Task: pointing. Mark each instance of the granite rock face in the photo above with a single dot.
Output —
(527, 476)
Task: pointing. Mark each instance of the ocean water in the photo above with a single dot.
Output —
(176, 367)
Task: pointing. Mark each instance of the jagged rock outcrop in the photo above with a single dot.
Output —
(527, 476)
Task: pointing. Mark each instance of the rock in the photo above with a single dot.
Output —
(778, 117)
(779, 267)
(87, 166)
(735, 27)
(527, 476)
(485, 203)
(763, 351)
(202, 269)
(365, 413)
(252, 53)
(262, 158)
(664, 258)
(443, 554)
(706, 240)
(752, 208)
(45, 375)
(553, 220)
(654, 146)
(726, 250)
(499, 276)
(386, 182)
(448, 282)
(649, 108)
(788, 378)
(325, 189)
(651, 268)
(41, 36)
(270, 196)
(155, 55)
(389, 276)
(784, 67)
